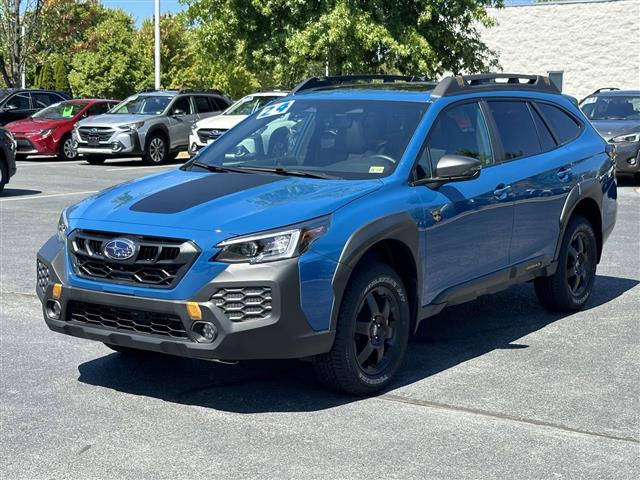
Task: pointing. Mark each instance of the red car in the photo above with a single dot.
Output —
(48, 132)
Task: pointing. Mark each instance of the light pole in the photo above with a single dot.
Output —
(157, 44)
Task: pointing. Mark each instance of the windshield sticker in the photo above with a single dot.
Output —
(376, 169)
(67, 111)
(276, 109)
(589, 100)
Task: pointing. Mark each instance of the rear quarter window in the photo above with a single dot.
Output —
(564, 127)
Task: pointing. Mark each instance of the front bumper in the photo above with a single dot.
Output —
(34, 144)
(627, 157)
(284, 333)
(120, 143)
(10, 157)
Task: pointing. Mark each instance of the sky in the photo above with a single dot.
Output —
(141, 9)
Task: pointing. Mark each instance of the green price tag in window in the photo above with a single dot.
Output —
(67, 111)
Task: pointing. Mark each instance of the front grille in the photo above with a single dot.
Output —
(244, 303)
(42, 276)
(103, 133)
(140, 321)
(156, 263)
(207, 134)
(24, 145)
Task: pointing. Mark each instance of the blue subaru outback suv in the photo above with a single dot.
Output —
(330, 223)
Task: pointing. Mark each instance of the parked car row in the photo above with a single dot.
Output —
(157, 125)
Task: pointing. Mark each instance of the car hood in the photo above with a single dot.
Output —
(35, 124)
(107, 120)
(233, 203)
(224, 122)
(613, 128)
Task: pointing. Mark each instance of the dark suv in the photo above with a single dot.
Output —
(7, 157)
(330, 223)
(16, 104)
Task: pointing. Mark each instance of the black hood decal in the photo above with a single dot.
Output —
(190, 194)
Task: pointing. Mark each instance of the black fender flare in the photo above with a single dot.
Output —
(589, 188)
(152, 131)
(400, 227)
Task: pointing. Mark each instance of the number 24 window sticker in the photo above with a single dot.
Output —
(276, 109)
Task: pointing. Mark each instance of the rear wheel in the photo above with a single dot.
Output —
(156, 150)
(371, 333)
(95, 159)
(570, 287)
(67, 152)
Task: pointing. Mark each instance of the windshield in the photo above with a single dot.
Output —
(344, 139)
(142, 105)
(250, 104)
(612, 107)
(60, 110)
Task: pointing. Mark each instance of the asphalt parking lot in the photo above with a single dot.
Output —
(497, 388)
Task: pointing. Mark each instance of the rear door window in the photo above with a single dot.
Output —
(43, 99)
(183, 104)
(203, 105)
(516, 128)
(546, 139)
(564, 127)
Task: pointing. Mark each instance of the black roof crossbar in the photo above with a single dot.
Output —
(342, 80)
(461, 84)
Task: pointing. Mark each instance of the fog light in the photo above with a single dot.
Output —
(116, 146)
(205, 332)
(631, 161)
(53, 309)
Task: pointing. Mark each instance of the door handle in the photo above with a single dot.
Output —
(564, 174)
(502, 191)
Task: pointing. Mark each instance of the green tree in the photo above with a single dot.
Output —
(278, 42)
(61, 76)
(112, 64)
(46, 79)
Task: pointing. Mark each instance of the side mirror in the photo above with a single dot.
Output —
(454, 168)
(178, 112)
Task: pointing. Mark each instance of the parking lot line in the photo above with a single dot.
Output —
(138, 168)
(35, 197)
(26, 163)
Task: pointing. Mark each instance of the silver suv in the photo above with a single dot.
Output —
(154, 125)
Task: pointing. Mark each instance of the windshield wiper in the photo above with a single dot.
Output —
(291, 173)
(218, 168)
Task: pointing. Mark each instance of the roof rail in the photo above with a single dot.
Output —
(200, 90)
(605, 89)
(461, 84)
(341, 80)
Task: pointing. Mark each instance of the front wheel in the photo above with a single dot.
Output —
(156, 151)
(67, 152)
(570, 287)
(371, 334)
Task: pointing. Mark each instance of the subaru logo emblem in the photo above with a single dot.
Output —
(94, 130)
(120, 249)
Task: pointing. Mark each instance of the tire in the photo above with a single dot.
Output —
(66, 151)
(133, 352)
(4, 175)
(570, 287)
(95, 159)
(347, 367)
(156, 150)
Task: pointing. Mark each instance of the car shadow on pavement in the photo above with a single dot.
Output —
(456, 335)
(18, 192)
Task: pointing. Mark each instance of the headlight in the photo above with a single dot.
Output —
(63, 226)
(131, 127)
(272, 246)
(628, 137)
(46, 132)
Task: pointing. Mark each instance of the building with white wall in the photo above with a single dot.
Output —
(585, 44)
